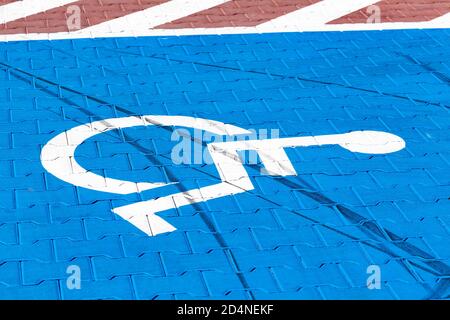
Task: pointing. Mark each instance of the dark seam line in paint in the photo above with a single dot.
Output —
(283, 76)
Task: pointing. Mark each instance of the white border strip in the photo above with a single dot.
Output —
(20, 9)
(439, 23)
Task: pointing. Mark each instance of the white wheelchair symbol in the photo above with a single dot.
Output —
(58, 158)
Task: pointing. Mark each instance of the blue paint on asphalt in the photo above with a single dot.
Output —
(310, 236)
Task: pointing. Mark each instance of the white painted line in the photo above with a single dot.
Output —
(318, 14)
(20, 9)
(443, 19)
(434, 24)
(155, 16)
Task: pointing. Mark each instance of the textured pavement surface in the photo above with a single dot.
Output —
(310, 236)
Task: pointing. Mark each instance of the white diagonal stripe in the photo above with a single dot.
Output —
(319, 13)
(442, 19)
(20, 9)
(155, 16)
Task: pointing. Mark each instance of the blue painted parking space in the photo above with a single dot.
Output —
(312, 235)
